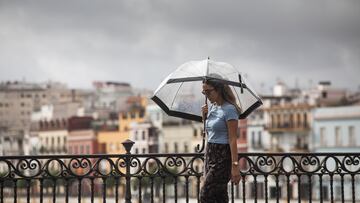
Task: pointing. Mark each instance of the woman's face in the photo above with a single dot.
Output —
(210, 92)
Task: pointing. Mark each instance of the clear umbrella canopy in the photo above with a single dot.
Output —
(180, 95)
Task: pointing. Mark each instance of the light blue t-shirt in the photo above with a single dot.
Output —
(216, 126)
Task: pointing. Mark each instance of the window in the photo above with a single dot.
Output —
(175, 147)
(243, 135)
(136, 134)
(143, 135)
(136, 151)
(338, 136)
(166, 148)
(143, 150)
(322, 136)
(291, 120)
(298, 120)
(253, 138)
(81, 149)
(273, 121)
(186, 147)
(305, 120)
(259, 139)
(195, 133)
(352, 139)
(324, 94)
(278, 119)
(132, 114)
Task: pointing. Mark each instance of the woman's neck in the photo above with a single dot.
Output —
(220, 101)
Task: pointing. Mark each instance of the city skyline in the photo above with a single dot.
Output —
(142, 42)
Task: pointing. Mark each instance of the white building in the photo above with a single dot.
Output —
(337, 129)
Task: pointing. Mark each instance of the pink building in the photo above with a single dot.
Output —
(82, 138)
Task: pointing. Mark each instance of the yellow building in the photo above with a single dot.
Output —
(112, 140)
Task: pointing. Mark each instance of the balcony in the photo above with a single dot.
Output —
(288, 127)
(266, 177)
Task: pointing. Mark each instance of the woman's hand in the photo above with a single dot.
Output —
(204, 110)
(235, 174)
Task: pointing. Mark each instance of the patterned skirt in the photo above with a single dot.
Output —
(217, 173)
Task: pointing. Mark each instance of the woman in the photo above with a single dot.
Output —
(221, 158)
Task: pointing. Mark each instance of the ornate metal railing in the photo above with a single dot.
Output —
(269, 177)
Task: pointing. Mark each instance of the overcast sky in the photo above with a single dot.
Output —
(142, 41)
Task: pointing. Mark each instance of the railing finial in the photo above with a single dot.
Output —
(128, 145)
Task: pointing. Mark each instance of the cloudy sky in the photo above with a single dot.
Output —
(142, 41)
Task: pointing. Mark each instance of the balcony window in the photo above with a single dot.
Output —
(132, 114)
(291, 120)
(322, 136)
(243, 137)
(338, 136)
(143, 135)
(298, 120)
(166, 148)
(352, 138)
(186, 148)
(259, 139)
(305, 120)
(278, 121)
(253, 139)
(195, 133)
(176, 149)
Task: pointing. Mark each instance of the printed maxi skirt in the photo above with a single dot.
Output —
(217, 173)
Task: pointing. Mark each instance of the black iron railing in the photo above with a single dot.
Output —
(269, 177)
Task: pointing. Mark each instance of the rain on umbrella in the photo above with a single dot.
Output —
(179, 94)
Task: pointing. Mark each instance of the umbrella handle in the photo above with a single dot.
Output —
(198, 148)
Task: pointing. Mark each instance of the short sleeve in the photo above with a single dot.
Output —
(231, 113)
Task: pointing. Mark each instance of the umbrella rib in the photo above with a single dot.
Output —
(172, 103)
(237, 95)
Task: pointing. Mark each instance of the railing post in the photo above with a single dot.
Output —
(128, 145)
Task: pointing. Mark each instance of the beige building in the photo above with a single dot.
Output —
(50, 137)
(181, 138)
(289, 127)
(18, 100)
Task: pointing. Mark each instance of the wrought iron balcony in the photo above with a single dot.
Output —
(288, 127)
(275, 177)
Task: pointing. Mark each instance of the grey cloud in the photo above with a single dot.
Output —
(142, 41)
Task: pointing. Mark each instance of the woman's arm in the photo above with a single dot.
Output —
(232, 130)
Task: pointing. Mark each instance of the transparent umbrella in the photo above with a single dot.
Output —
(180, 95)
